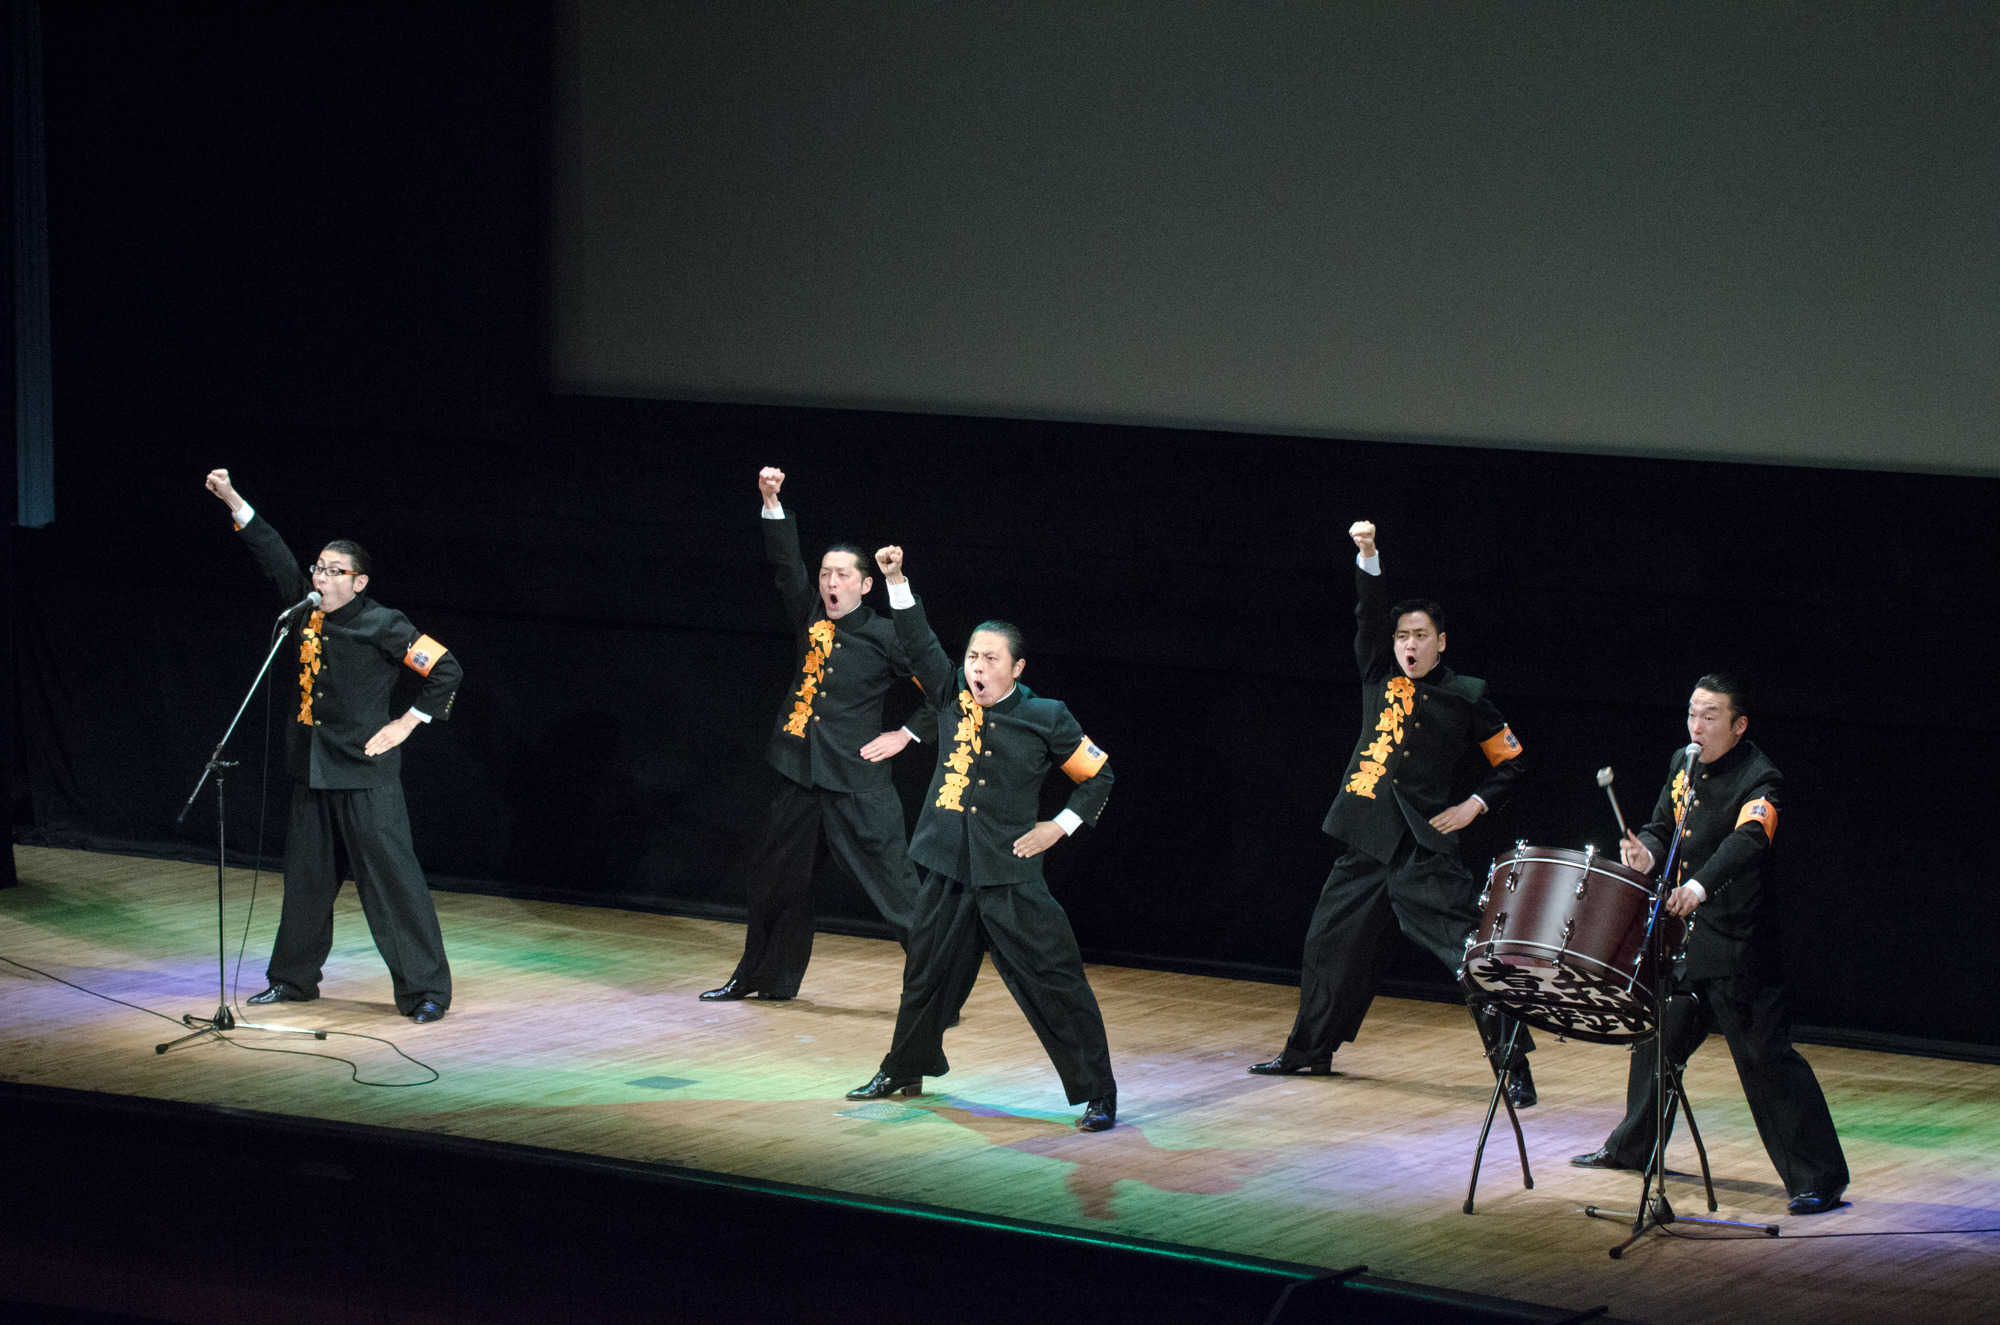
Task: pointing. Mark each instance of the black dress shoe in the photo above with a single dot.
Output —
(1601, 1158)
(1285, 1065)
(881, 1087)
(1521, 1088)
(766, 996)
(428, 1009)
(727, 993)
(1816, 1203)
(279, 992)
(1099, 1115)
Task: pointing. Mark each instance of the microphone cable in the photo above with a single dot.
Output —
(256, 875)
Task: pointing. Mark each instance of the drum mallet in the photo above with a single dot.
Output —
(1604, 781)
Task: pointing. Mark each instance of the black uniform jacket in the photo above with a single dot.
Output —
(349, 663)
(991, 762)
(845, 668)
(1731, 821)
(1412, 736)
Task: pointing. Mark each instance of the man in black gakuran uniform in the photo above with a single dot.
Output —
(1731, 980)
(341, 748)
(1401, 865)
(829, 744)
(980, 846)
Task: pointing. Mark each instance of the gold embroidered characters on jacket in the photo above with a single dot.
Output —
(820, 635)
(1680, 796)
(971, 717)
(1401, 694)
(309, 665)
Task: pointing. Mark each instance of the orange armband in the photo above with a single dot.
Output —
(1501, 746)
(423, 655)
(1083, 765)
(1762, 813)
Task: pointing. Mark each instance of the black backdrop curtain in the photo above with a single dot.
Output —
(1187, 593)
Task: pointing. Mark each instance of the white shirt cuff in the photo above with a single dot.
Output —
(1701, 893)
(913, 736)
(775, 512)
(1372, 565)
(902, 595)
(1483, 806)
(243, 514)
(1069, 821)
(420, 715)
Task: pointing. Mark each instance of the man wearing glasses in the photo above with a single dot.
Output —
(341, 750)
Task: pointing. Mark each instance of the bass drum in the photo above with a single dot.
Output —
(1561, 944)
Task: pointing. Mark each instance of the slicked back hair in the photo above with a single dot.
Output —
(1017, 644)
(353, 551)
(1722, 683)
(1424, 605)
(862, 561)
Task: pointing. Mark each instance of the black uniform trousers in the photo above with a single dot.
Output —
(373, 825)
(864, 831)
(1785, 1099)
(1430, 895)
(1035, 952)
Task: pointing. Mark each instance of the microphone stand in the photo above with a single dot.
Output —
(224, 1020)
(1654, 1209)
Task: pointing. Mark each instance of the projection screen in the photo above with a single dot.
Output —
(1760, 232)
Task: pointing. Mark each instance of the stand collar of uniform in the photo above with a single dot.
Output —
(346, 612)
(1000, 706)
(854, 616)
(1437, 676)
(1730, 762)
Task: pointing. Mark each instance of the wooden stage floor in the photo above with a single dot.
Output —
(578, 1028)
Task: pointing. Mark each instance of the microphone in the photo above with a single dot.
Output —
(310, 600)
(1693, 753)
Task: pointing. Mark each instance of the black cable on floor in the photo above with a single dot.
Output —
(354, 1068)
(1802, 1237)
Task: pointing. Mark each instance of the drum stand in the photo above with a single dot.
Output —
(1654, 1210)
(1502, 1078)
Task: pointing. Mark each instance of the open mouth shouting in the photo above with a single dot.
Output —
(991, 664)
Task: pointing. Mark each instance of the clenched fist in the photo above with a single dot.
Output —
(218, 483)
(1363, 534)
(890, 559)
(769, 480)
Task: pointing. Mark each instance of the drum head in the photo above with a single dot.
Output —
(1561, 944)
(1562, 1000)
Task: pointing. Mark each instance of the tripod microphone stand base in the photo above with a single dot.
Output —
(224, 1020)
(215, 1025)
(1659, 1214)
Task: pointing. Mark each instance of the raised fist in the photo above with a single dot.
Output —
(769, 480)
(890, 559)
(1363, 534)
(218, 483)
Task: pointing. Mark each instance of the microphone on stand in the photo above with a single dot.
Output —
(310, 600)
(1693, 753)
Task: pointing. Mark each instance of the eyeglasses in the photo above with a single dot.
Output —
(334, 571)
